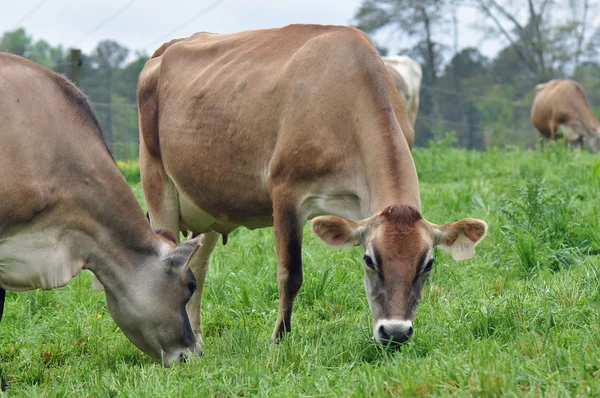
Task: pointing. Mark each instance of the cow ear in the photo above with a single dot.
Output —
(168, 234)
(338, 232)
(179, 256)
(472, 228)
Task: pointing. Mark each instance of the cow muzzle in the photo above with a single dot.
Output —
(392, 331)
(182, 355)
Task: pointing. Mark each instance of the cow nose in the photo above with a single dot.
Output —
(183, 355)
(393, 331)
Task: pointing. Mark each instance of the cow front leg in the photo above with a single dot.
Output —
(288, 244)
(3, 385)
(199, 266)
(579, 145)
(2, 298)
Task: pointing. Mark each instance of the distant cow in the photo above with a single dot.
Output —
(277, 126)
(64, 207)
(407, 75)
(561, 109)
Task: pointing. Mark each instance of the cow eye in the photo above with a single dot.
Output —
(429, 265)
(192, 286)
(369, 262)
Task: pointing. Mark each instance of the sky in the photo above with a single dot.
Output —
(145, 24)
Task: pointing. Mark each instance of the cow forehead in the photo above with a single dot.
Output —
(406, 243)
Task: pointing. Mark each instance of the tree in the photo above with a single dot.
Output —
(421, 21)
(547, 47)
(99, 72)
(16, 42)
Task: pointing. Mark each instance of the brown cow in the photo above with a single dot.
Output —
(560, 108)
(64, 207)
(277, 126)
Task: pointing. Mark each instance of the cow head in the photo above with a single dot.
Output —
(398, 258)
(577, 119)
(148, 302)
(594, 140)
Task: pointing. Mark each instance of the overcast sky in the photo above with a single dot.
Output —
(145, 24)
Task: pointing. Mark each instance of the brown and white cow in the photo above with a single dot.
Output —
(64, 207)
(560, 108)
(407, 75)
(278, 126)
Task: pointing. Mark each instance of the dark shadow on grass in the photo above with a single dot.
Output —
(374, 353)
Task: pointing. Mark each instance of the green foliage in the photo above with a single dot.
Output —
(521, 318)
(539, 227)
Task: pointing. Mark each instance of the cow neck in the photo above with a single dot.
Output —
(390, 172)
(126, 238)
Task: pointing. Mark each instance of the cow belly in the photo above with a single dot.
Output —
(38, 260)
(192, 218)
(197, 220)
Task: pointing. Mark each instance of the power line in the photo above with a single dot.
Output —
(187, 22)
(31, 11)
(106, 21)
(60, 12)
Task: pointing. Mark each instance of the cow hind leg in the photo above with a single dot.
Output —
(288, 244)
(199, 266)
(3, 385)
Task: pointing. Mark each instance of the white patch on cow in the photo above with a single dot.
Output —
(568, 132)
(37, 260)
(331, 203)
(191, 217)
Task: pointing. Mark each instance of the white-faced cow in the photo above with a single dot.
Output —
(277, 126)
(64, 207)
(407, 75)
(561, 109)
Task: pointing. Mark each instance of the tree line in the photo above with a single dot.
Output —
(487, 101)
(484, 101)
(108, 77)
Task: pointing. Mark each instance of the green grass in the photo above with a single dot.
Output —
(520, 319)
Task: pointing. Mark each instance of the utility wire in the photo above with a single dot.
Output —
(186, 22)
(106, 21)
(31, 11)
(61, 11)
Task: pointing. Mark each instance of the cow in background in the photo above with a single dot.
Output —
(560, 109)
(407, 75)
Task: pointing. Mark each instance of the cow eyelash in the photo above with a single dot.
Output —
(429, 266)
(369, 262)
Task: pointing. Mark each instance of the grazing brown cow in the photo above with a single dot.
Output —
(64, 207)
(560, 108)
(277, 126)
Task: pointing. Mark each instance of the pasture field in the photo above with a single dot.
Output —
(519, 319)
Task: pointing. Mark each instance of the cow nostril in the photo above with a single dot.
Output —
(182, 358)
(409, 332)
(382, 333)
